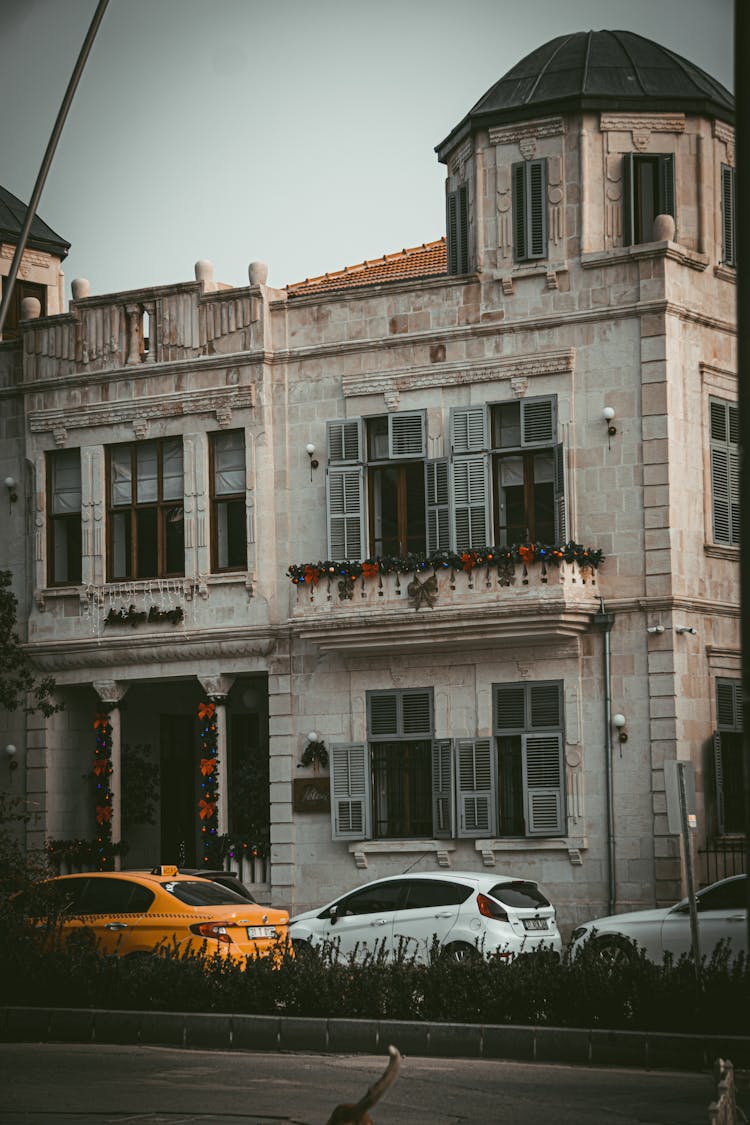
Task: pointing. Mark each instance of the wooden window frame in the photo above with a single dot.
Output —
(70, 519)
(223, 499)
(160, 505)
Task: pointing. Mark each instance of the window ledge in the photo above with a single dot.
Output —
(573, 845)
(361, 849)
(666, 249)
(726, 273)
(718, 551)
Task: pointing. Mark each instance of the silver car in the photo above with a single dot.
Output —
(722, 916)
(460, 913)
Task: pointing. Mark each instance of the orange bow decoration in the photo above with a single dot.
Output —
(101, 720)
(206, 710)
(469, 561)
(312, 574)
(103, 814)
(101, 765)
(206, 809)
(527, 554)
(370, 569)
(208, 765)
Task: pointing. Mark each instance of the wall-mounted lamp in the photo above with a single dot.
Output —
(12, 485)
(608, 414)
(310, 450)
(684, 629)
(618, 722)
(10, 751)
(315, 753)
(655, 630)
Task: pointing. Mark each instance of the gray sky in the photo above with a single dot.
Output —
(297, 132)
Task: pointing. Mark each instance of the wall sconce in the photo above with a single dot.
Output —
(684, 629)
(10, 750)
(310, 450)
(12, 485)
(608, 414)
(618, 722)
(655, 630)
(315, 753)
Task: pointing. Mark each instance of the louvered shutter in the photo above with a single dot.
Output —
(725, 473)
(628, 199)
(396, 714)
(457, 228)
(437, 504)
(346, 517)
(519, 212)
(545, 705)
(406, 436)
(729, 704)
(537, 208)
(561, 515)
(477, 788)
(345, 440)
(350, 792)
(728, 227)
(416, 713)
(442, 788)
(543, 784)
(451, 227)
(468, 429)
(510, 708)
(382, 714)
(538, 421)
(719, 783)
(666, 200)
(470, 498)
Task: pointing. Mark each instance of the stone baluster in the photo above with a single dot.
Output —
(134, 333)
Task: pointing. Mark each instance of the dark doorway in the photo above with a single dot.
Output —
(178, 793)
(249, 806)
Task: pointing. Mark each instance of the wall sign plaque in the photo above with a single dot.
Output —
(311, 794)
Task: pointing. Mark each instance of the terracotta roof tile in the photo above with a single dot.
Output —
(427, 260)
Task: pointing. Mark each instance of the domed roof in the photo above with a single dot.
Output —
(597, 70)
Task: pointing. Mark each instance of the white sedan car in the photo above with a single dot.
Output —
(465, 913)
(722, 916)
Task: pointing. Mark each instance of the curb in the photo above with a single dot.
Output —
(220, 1031)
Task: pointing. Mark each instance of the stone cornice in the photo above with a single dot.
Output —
(671, 250)
(640, 122)
(460, 374)
(527, 130)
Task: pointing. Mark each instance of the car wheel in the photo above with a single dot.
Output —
(304, 952)
(461, 953)
(615, 950)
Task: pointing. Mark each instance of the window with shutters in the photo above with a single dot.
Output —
(400, 729)
(728, 229)
(228, 506)
(528, 726)
(145, 510)
(529, 210)
(457, 227)
(64, 517)
(648, 191)
(527, 473)
(728, 751)
(724, 421)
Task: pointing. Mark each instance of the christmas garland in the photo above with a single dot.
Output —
(102, 770)
(499, 558)
(78, 853)
(208, 811)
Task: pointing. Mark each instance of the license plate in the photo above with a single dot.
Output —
(261, 932)
(535, 923)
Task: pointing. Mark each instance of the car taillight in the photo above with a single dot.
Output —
(491, 909)
(211, 930)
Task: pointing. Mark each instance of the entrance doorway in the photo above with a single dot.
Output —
(179, 800)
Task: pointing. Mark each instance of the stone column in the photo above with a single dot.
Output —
(134, 334)
(111, 693)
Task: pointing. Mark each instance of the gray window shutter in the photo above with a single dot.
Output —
(543, 784)
(510, 708)
(530, 210)
(729, 704)
(538, 421)
(406, 435)
(719, 783)
(457, 229)
(666, 201)
(404, 713)
(350, 792)
(561, 515)
(728, 227)
(469, 429)
(443, 818)
(725, 472)
(437, 504)
(477, 787)
(346, 516)
(628, 199)
(470, 496)
(345, 440)
(545, 705)
(519, 213)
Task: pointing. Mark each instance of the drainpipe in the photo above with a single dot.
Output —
(604, 622)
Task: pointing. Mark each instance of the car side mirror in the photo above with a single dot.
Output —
(333, 914)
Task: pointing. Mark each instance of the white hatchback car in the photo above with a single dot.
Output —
(465, 913)
(722, 916)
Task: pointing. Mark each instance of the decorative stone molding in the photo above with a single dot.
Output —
(140, 428)
(392, 399)
(153, 408)
(642, 123)
(519, 385)
(528, 131)
(60, 434)
(508, 285)
(454, 374)
(110, 691)
(527, 146)
(30, 258)
(458, 162)
(360, 860)
(217, 687)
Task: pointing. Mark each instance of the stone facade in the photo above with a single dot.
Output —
(646, 329)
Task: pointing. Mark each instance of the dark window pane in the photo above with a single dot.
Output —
(510, 787)
(402, 789)
(113, 896)
(416, 530)
(372, 900)
(730, 896)
(204, 893)
(231, 537)
(423, 892)
(147, 559)
(174, 540)
(525, 895)
(122, 545)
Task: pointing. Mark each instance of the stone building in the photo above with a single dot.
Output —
(428, 562)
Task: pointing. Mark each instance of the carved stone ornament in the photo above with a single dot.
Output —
(109, 691)
(392, 399)
(527, 146)
(224, 415)
(519, 385)
(141, 427)
(642, 122)
(514, 134)
(60, 434)
(640, 140)
(173, 405)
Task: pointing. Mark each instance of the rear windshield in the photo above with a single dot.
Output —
(204, 893)
(520, 894)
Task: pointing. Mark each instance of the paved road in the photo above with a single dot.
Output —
(61, 1084)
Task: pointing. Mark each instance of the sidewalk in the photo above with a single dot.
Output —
(576, 1046)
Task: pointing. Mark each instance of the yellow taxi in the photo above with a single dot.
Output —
(135, 912)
